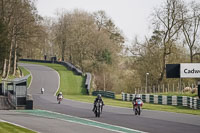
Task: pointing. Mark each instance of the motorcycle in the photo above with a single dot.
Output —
(42, 90)
(138, 107)
(98, 108)
(60, 97)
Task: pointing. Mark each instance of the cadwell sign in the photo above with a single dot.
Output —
(190, 70)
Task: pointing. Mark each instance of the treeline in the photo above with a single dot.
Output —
(20, 33)
(175, 39)
(93, 43)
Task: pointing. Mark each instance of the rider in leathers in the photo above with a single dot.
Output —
(137, 96)
(95, 101)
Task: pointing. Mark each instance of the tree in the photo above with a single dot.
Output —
(168, 21)
(3, 45)
(20, 17)
(191, 22)
(89, 44)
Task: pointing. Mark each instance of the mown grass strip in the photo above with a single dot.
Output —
(9, 128)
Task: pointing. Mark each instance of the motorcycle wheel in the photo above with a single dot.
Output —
(136, 111)
(98, 114)
(139, 111)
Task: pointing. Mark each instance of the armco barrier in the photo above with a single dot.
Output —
(190, 102)
(107, 94)
(66, 64)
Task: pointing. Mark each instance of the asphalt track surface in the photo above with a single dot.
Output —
(149, 121)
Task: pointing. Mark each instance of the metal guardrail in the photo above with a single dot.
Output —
(166, 100)
(107, 94)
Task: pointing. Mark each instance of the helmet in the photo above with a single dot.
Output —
(99, 96)
(137, 96)
(60, 93)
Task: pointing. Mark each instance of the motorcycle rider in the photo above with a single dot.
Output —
(59, 95)
(42, 90)
(96, 100)
(137, 96)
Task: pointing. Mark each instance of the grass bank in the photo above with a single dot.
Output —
(71, 87)
(9, 128)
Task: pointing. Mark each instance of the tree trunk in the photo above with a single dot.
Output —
(163, 67)
(4, 68)
(191, 55)
(15, 59)
(63, 51)
(10, 57)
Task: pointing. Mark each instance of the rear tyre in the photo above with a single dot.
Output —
(96, 114)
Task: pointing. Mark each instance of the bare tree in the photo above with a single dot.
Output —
(20, 16)
(191, 22)
(168, 21)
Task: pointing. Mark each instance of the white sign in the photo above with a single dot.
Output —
(190, 70)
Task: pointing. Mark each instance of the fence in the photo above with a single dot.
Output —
(107, 94)
(185, 101)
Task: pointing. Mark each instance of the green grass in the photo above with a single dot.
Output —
(148, 106)
(9, 128)
(189, 94)
(26, 72)
(68, 81)
(9, 77)
(70, 84)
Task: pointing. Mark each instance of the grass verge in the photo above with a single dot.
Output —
(9, 128)
(189, 94)
(66, 88)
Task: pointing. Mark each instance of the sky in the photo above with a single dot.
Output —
(132, 17)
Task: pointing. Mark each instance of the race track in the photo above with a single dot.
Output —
(149, 121)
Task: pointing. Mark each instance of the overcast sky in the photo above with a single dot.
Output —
(130, 16)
